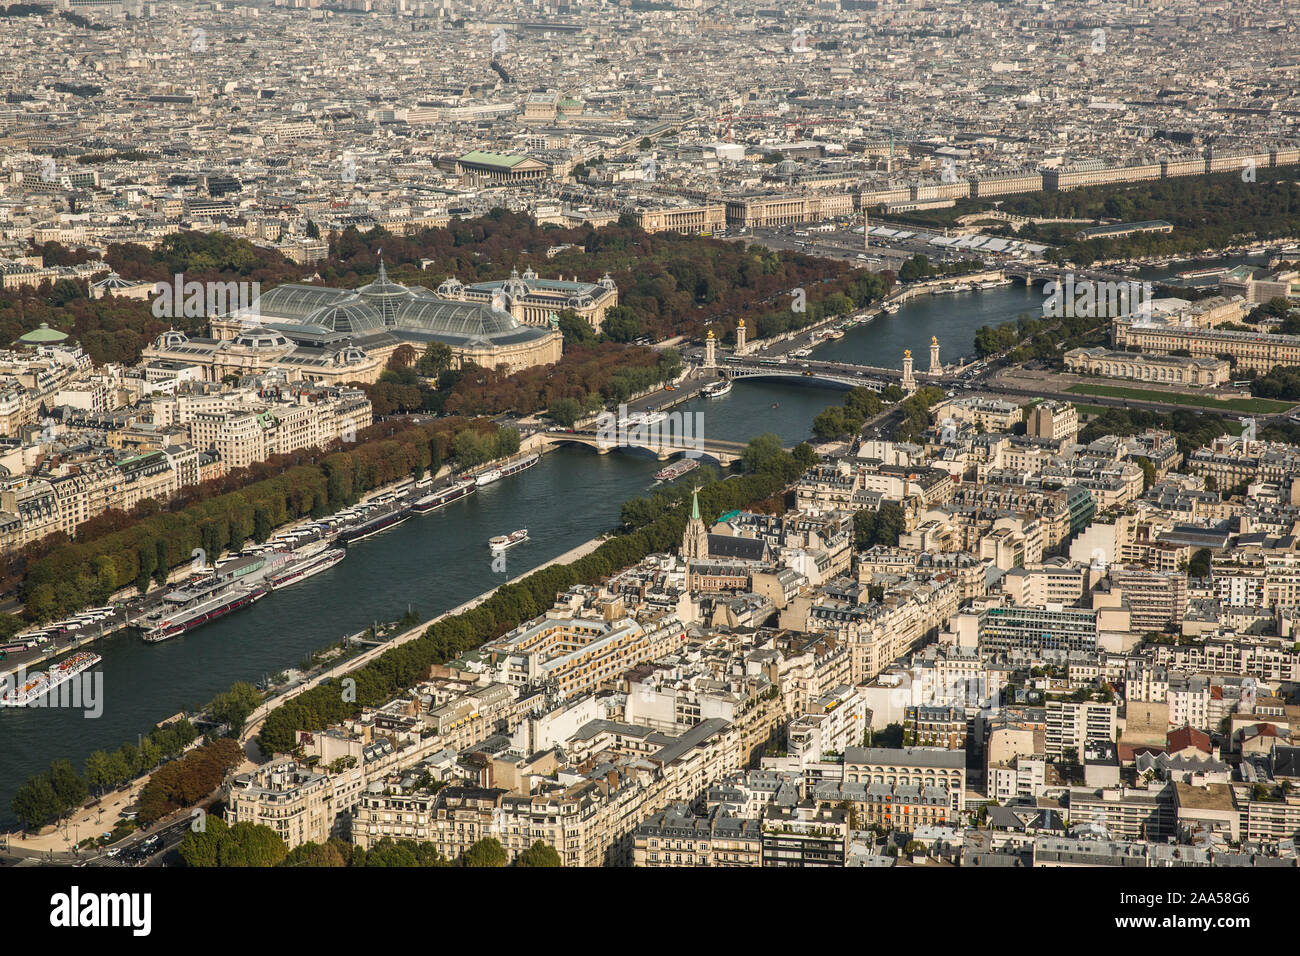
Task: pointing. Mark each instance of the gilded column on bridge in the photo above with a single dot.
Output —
(935, 367)
(909, 380)
(710, 350)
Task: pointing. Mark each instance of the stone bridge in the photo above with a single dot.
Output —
(658, 439)
(1033, 275)
(842, 375)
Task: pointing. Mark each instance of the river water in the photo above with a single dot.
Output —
(435, 562)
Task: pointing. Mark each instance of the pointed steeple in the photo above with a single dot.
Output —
(695, 540)
(383, 273)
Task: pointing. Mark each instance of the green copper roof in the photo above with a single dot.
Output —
(695, 504)
(492, 159)
(42, 335)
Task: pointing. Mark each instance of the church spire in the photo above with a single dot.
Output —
(695, 540)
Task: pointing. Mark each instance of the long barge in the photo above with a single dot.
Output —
(297, 571)
(187, 616)
(372, 526)
(496, 474)
(431, 502)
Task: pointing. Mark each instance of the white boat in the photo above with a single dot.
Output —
(514, 468)
(676, 469)
(503, 541)
(717, 389)
(40, 683)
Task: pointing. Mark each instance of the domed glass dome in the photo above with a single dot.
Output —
(384, 295)
(351, 318)
(462, 319)
(259, 338)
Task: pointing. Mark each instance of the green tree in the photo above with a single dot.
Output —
(879, 527)
(204, 849)
(1148, 472)
(100, 772)
(163, 564)
(487, 852)
(435, 360)
(243, 845)
(35, 803)
(539, 854)
(1199, 565)
(621, 324)
(262, 525)
(564, 411)
(234, 706)
(248, 845)
(387, 852)
(148, 560)
(471, 448)
(505, 442)
(315, 855)
(575, 329)
(834, 423)
(761, 450)
(69, 788)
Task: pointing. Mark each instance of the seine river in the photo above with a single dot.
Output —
(438, 561)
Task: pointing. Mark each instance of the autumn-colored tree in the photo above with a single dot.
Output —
(184, 782)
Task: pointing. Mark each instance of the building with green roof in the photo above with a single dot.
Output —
(43, 335)
(502, 168)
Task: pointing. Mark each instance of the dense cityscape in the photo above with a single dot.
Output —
(654, 433)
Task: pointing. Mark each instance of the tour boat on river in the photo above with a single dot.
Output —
(40, 683)
(677, 469)
(503, 541)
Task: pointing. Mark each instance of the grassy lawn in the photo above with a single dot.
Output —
(1259, 405)
(1091, 409)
